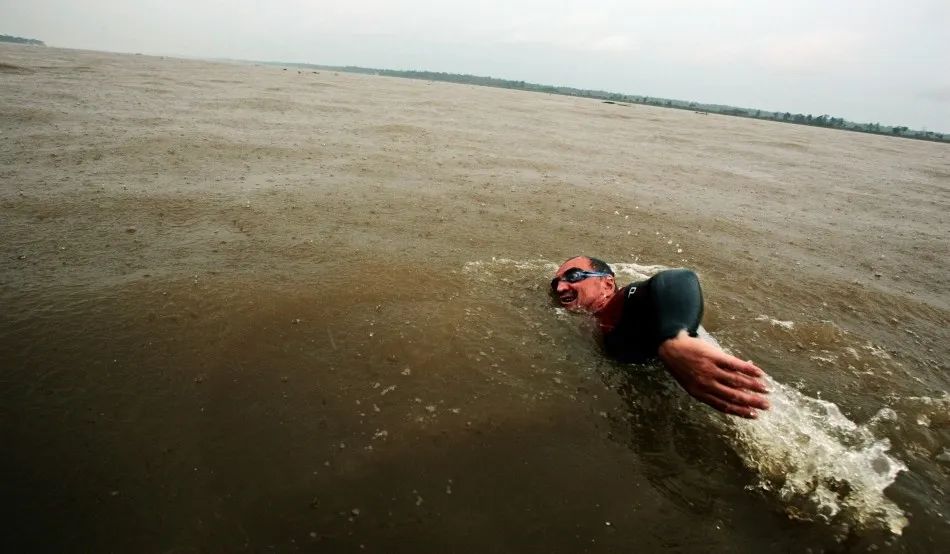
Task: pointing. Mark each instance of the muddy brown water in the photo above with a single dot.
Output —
(247, 308)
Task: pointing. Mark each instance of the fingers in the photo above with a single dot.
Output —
(735, 364)
(739, 381)
(728, 408)
(723, 381)
(739, 397)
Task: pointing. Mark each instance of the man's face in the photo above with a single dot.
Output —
(589, 295)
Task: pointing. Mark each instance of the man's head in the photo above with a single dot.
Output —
(584, 283)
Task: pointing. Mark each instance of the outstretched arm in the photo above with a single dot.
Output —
(725, 382)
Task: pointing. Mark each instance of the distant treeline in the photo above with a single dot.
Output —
(21, 40)
(617, 98)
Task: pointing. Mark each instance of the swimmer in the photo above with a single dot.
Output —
(660, 317)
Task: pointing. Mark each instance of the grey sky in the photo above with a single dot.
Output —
(865, 60)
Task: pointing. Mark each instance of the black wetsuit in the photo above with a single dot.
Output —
(653, 311)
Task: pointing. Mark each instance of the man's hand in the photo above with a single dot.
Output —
(710, 375)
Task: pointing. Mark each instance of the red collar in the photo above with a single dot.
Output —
(609, 315)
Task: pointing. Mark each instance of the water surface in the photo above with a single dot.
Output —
(252, 309)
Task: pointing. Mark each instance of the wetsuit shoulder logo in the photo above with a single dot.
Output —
(631, 291)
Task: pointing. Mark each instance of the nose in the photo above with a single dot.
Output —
(562, 286)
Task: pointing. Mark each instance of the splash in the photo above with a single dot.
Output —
(820, 464)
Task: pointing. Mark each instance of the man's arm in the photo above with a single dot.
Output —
(725, 382)
(707, 373)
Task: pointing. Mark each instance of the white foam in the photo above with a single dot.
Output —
(942, 402)
(777, 322)
(820, 463)
(636, 272)
(877, 351)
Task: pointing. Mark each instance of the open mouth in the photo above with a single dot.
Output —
(567, 297)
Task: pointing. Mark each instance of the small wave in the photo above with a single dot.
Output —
(776, 322)
(636, 272)
(537, 265)
(941, 403)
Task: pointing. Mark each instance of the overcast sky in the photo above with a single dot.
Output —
(865, 60)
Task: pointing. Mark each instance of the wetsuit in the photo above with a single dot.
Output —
(653, 311)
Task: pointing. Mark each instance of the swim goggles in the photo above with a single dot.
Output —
(575, 275)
